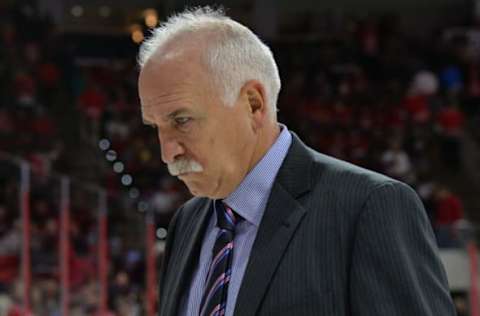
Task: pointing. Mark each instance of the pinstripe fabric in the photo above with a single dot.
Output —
(334, 240)
(249, 201)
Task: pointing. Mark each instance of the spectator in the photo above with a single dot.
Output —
(397, 164)
(424, 83)
(417, 108)
(93, 102)
(450, 123)
(25, 90)
(448, 211)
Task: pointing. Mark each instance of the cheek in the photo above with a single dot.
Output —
(244, 142)
(218, 154)
(211, 142)
(214, 152)
(204, 152)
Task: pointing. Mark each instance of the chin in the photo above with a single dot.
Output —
(202, 188)
(194, 188)
(197, 193)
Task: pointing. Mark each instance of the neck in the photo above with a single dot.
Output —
(266, 140)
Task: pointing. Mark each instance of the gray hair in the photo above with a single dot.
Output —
(234, 54)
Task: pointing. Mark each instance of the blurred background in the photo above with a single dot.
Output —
(85, 200)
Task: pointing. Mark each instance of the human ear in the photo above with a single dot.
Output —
(254, 93)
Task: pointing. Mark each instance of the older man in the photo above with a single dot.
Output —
(275, 228)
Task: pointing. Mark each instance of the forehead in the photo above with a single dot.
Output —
(159, 78)
(171, 63)
(171, 86)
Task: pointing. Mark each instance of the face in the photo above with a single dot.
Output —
(206, 144)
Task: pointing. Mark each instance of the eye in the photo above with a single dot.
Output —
(182, 120)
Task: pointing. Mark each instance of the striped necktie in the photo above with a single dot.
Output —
(214, 299)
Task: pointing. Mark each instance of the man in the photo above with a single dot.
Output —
(275, 228)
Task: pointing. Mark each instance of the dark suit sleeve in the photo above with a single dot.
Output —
(395, 267)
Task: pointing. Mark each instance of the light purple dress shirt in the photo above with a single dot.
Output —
(249, 201)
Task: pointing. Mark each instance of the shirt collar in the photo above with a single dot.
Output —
(250, 197)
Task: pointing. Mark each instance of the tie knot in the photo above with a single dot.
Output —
(226, 217)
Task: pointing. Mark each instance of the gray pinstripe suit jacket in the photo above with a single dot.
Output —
(335, 239)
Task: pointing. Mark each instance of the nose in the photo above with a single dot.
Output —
(171, 149)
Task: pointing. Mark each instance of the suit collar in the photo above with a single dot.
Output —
(282, 216)
(250, 197)
(295, 175)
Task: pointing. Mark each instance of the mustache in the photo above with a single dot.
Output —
(183, 166)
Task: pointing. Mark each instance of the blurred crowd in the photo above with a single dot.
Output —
(37, 106)
(402, 106)
(367, 93)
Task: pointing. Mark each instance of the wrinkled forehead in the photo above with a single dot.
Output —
(165, 86)
(178, 55)
(169, 66)
(157, 79)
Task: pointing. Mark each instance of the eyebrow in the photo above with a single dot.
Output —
(177, 112)
(169, 116)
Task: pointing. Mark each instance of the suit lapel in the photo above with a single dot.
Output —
(184, 262)
(282, 216)
(278, 225)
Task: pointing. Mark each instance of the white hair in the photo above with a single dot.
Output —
(233, 54)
